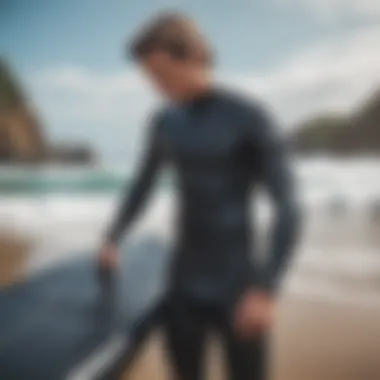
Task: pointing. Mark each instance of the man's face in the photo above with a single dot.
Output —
(174, 78)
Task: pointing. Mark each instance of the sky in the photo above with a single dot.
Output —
(301, 57)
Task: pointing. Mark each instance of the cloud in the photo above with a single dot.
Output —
(333, 10)
(337, 74)
(107, 108)
(83, 93)
(110, 107)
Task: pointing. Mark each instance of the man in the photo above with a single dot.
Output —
(221, 148)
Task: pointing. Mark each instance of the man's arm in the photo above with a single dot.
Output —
(272, 165)
(135, 198)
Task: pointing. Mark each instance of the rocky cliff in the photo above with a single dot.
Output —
(357, 133)
(22, 137)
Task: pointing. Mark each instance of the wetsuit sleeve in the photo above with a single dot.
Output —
(271, 166)
(138, 192)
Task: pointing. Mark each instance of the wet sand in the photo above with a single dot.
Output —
(312, 340)
(328, 324)
(320, 340)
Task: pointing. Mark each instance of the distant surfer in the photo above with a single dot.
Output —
(221, 148)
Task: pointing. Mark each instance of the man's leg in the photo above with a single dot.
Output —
(185, 330)
(246, 358)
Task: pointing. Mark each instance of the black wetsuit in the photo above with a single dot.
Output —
(221, 148)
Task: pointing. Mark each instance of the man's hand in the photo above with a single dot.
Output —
(254, 313)
(108, 257)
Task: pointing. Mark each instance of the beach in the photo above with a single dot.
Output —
(327, 325)
(313, 340)
(318, 340)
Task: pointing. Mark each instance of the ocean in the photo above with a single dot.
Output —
(65, 211)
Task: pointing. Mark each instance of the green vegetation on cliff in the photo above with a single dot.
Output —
(10, 92)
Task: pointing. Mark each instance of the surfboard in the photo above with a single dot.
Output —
(71, 323)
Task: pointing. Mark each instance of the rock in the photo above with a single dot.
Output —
(22, 137)
(76, 154)
(14, 251)
(348, 134)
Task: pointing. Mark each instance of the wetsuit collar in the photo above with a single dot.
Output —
(201, 100)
